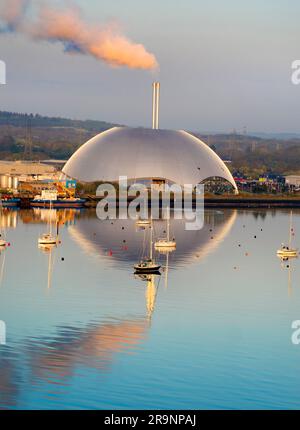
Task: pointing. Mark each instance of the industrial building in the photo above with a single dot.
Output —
(13, 172)
(146, 154)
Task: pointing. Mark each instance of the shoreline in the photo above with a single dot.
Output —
(230, 202)
(209, 202)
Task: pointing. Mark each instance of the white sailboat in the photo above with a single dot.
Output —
(48, 239)
(288, 251)
(143, 222)
(165, 244)
(148, 265)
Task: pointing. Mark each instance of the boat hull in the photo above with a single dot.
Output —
(287, 254)
(147, 271)
(12, 203)
(47, 242)
(58, 203)
(165, 245)
(143, 223)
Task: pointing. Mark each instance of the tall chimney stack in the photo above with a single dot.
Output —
(155, 108)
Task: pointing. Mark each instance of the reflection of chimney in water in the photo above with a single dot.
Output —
(155, 107)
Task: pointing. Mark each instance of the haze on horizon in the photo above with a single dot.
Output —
(223, 65)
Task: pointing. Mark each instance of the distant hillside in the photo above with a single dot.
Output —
(59, 138)
(56, 138)
(256, 155)
(35, 120)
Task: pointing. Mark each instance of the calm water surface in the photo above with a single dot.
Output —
(213, 331)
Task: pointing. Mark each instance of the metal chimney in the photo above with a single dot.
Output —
(155, 107)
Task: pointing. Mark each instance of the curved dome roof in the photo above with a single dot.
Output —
(140, 153)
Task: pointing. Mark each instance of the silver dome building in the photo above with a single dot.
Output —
(146, 154)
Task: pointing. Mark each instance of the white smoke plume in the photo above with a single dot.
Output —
(106, 43)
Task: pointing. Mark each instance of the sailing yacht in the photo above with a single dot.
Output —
(165, 244)
(287, 251)
(148, 265)
(48, 239)
(143, 222)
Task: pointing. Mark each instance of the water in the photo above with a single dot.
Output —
(213, 331)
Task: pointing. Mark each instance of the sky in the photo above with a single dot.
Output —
(223, 65)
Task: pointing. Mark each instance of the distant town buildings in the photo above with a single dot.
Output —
(269, 183)
(293, 181)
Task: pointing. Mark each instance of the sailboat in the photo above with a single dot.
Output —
(48, 239)
(165, 244)
(288, 251)
(148, 265)
(143, 222)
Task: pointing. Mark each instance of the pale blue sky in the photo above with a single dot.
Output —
(223, 65)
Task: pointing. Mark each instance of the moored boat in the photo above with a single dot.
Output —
(48, 239)
(59, 203)
(285, 251)
(10, 202)
(50, 198)
(166, 244)
(148, 264)
(143, 222)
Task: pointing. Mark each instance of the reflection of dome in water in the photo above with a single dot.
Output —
(140, 153)
(103, 237)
